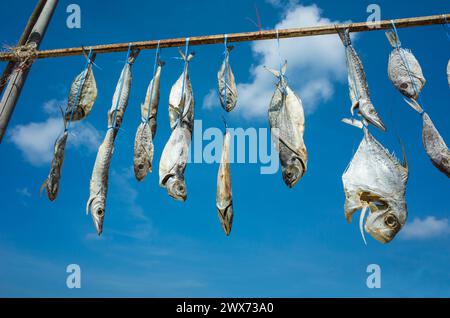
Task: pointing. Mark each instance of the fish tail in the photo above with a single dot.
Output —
(230, 48)
(393, 39)
(161, 62)
(414, 104)
(133, 55)
(190, 57)
(345, 36)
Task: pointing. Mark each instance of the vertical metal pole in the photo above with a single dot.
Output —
(23, 39)
(18, 76)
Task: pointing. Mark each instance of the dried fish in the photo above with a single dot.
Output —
(287, 123)
(376, 180)
(359, 90)
(153, 94)
(99, 180)
(448, 72)
(181, 98)
(143, 151)
(227, 84)
(224, 196)
(435, 146)
(87, 94)
(405, 72)
(51, 184)
(173, 162)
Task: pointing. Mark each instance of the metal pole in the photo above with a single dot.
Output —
(23, 39)
(242, 37)
(19, 75)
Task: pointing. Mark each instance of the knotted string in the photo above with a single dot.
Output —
(77, 96)
(146, 121)
(226, 70)
(120, 91)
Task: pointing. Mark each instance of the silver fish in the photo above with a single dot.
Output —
(99, 180)
(224, 196)
(87, 95)
(181, 104)
(287, 123)
(173, 163)
(435, 146)
(448, 72)
(405, 72)
(143, 151)
(153, 106)
(359, 90)
(376, 180)
(227, 84)
(51, 184)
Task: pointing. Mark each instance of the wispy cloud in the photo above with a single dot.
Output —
(428, 228)
(36, 139)
(24, 192)
(314, 64)
(211, 99)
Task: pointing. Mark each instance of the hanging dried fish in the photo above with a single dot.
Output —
(99, 179)
(226, 83)
(359, 90)
(181, 98)
(143, 143)
(173, 162)
(448, 73)
(150, 108)
(405, 72)
(287, 124)
(376, 180)
(224, 197)
(51, 184)
(85, 88)
(435, 146)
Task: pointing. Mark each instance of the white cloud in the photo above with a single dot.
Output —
(53, 106)
(211, 100)
(36, 139)
(314, 63)
(428, 228)
(24, 191)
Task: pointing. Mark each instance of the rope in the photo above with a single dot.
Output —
(184, 80)
(77, 96)
(405, 61)
(283, 88)
(25, 54)
(226, 69)
(146, 121)
(120, 92)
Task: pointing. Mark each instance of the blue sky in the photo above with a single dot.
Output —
(284, 242)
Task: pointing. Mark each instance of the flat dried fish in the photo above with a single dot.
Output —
(435, 146)
(376, 180)
(143, 151)
(358, 88)
(224, 196)
(226, 83)
(287, 125)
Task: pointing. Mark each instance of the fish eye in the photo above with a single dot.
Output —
(391, 221)
(404, 85)
(100, 212)
(141, 166)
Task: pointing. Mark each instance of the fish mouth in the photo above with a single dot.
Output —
(293, 173)
(177, 190)
(376, 121)
(98, 220)
(226, 218)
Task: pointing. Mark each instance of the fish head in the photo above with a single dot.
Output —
(226, 218)
(369, 113)
(176, 188)
(385, 219)
(293, 172)
(407, 88)
(97, 206)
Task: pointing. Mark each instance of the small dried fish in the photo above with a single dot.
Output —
(359, 90)
(227, 84)
(287, 124)
(99, 180)
(143, 151)
(224, 196)
(86, 96)
(173, 163)
(153, 105)
(405, 72)
(51, 184)
(376, 180)
(448, 72)
(435, 146)
(181, 104)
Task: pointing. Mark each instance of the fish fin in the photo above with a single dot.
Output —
(393, 39)
(353, 107)
(284, 67)
(353, 122)
(345, 36)
(414, 104)
(43, 187)
(361, 223)
(63, 115)
(88, 204)
(274, 72)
